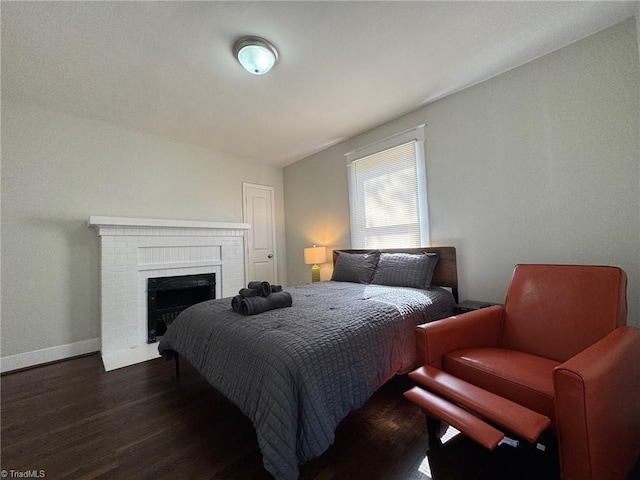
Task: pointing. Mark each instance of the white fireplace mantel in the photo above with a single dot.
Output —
(132, 250)
(100, 222)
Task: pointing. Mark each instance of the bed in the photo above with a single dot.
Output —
(297, 372)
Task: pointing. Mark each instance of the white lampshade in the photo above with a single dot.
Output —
(255, 54)
(315, 255)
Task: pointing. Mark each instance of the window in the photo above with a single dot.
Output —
(387, 193)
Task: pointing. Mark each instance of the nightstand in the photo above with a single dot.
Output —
(470, 305)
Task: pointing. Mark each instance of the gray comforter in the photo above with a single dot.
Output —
(297, 372)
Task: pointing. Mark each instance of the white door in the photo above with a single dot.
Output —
(261, 242)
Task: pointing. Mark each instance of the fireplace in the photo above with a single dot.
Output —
(168, 296)
(133, 250)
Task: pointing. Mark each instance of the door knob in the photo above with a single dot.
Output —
(270, 255)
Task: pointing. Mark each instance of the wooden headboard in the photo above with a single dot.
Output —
(445, 273)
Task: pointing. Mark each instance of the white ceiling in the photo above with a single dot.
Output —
(167, 68)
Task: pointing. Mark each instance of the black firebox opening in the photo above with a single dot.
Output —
(168, 296)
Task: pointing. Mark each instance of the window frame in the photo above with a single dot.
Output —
(415, 135)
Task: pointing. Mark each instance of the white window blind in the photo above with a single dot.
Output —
(387, 194)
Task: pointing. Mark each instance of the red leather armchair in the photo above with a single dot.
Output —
(557, 357)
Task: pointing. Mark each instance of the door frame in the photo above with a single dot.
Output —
(272, 190)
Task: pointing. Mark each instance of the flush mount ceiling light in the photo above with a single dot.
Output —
(255, 54)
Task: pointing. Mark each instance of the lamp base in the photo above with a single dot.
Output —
(315, 273)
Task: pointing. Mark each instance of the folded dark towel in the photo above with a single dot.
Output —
(248, 292)
(255, 305)
(235, 303)
(263, 288)
(276, 288)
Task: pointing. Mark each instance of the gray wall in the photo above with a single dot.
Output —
(539, 164)
(57, 171)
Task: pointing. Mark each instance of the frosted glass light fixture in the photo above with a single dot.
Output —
(255, 54)
(313, 256)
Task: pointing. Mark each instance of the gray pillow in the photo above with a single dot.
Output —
(355, 267)
(405, 270)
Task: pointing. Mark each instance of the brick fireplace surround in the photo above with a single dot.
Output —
(135, 249)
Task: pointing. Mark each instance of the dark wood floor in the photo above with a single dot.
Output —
(73, 420)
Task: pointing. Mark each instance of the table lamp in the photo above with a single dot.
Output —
(313, 256)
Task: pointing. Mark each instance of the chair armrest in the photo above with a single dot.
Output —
(479, 328)
(597, 394)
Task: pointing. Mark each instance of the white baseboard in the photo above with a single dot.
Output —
(36, 357)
